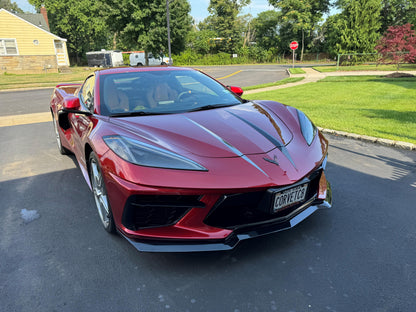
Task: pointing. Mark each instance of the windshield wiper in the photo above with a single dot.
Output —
(131, 114)
(211, 106)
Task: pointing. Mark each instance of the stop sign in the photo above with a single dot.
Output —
(294, 45)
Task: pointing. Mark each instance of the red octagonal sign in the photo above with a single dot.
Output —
(294, 45)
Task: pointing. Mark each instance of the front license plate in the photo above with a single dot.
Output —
(289, 197)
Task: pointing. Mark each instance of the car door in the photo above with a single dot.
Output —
(81, 123)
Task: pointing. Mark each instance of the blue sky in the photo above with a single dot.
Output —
(199, 8)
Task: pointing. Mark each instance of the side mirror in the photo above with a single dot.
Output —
(236, 90)
(71, 103)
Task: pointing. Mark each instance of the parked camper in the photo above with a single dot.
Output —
(105, 58)
(138, 59)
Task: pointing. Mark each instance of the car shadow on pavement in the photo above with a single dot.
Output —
(360, 246)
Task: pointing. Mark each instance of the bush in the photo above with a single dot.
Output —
(245, 55)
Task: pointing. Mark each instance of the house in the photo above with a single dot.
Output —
(27, 45)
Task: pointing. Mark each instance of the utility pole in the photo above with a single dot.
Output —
(168, 22)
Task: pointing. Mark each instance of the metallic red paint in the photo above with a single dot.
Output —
(249, 147)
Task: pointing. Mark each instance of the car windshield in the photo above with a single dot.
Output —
(161, 92)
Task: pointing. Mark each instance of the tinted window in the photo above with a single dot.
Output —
(161, 92)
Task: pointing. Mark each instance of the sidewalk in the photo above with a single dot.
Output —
(312, 75)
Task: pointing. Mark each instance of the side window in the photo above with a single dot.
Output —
(8, 47)
(87, 93)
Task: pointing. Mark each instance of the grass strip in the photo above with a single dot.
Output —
(296, 71)
(333, 68)
(273, 84)
(14, 81)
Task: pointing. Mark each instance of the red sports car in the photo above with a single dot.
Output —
(178, 162)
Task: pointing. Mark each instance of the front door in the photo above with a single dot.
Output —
(60, 53)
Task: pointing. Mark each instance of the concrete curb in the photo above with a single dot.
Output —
(366, 138)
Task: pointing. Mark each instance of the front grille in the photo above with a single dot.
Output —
(144, 211)
(236, 210)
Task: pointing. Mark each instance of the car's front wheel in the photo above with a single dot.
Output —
(100, 194)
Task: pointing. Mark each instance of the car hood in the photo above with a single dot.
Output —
(246, 129)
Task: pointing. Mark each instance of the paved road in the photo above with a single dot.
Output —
(25, 102)
(358, 256)
(247, 75)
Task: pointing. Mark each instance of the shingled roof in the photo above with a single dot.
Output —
(36, 19)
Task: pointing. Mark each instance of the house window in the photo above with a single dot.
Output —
(8, 47)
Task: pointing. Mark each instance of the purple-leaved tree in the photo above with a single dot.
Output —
(398, 45)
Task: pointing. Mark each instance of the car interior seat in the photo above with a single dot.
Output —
(115, 100)
(160, 94)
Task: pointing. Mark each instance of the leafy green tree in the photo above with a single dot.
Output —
(10, 6)
(301, 16)
(202, 40)
(397, 12)
(332, 33)
(80, 22)
(141, 25)
(359, 26)
(266, 27)
(224, 21)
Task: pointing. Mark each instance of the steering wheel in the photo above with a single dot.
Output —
(185, 94)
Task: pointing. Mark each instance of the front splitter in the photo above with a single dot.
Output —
(149, 245)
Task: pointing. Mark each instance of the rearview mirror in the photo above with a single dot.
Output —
(236, 90)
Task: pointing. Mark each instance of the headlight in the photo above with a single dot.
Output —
(307, 127)
(143, 154)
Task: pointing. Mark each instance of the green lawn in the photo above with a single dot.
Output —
(367, 105)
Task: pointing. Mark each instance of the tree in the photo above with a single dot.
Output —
(201, 40)
(302, 16)
(359, 26)
(224, 21)
(266, 27)
(10, 6)
(81, 22)
(397, 12)
(332, 33)
(141, 25)
(398, 45)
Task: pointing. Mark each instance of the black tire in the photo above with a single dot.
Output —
(63, 150)
(100, 194)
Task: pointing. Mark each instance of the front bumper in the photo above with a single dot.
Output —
(240, 234)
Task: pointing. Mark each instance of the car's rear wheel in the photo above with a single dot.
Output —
(100, 194)
(62, 150)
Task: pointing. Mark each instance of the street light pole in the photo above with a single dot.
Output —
(168, 22)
